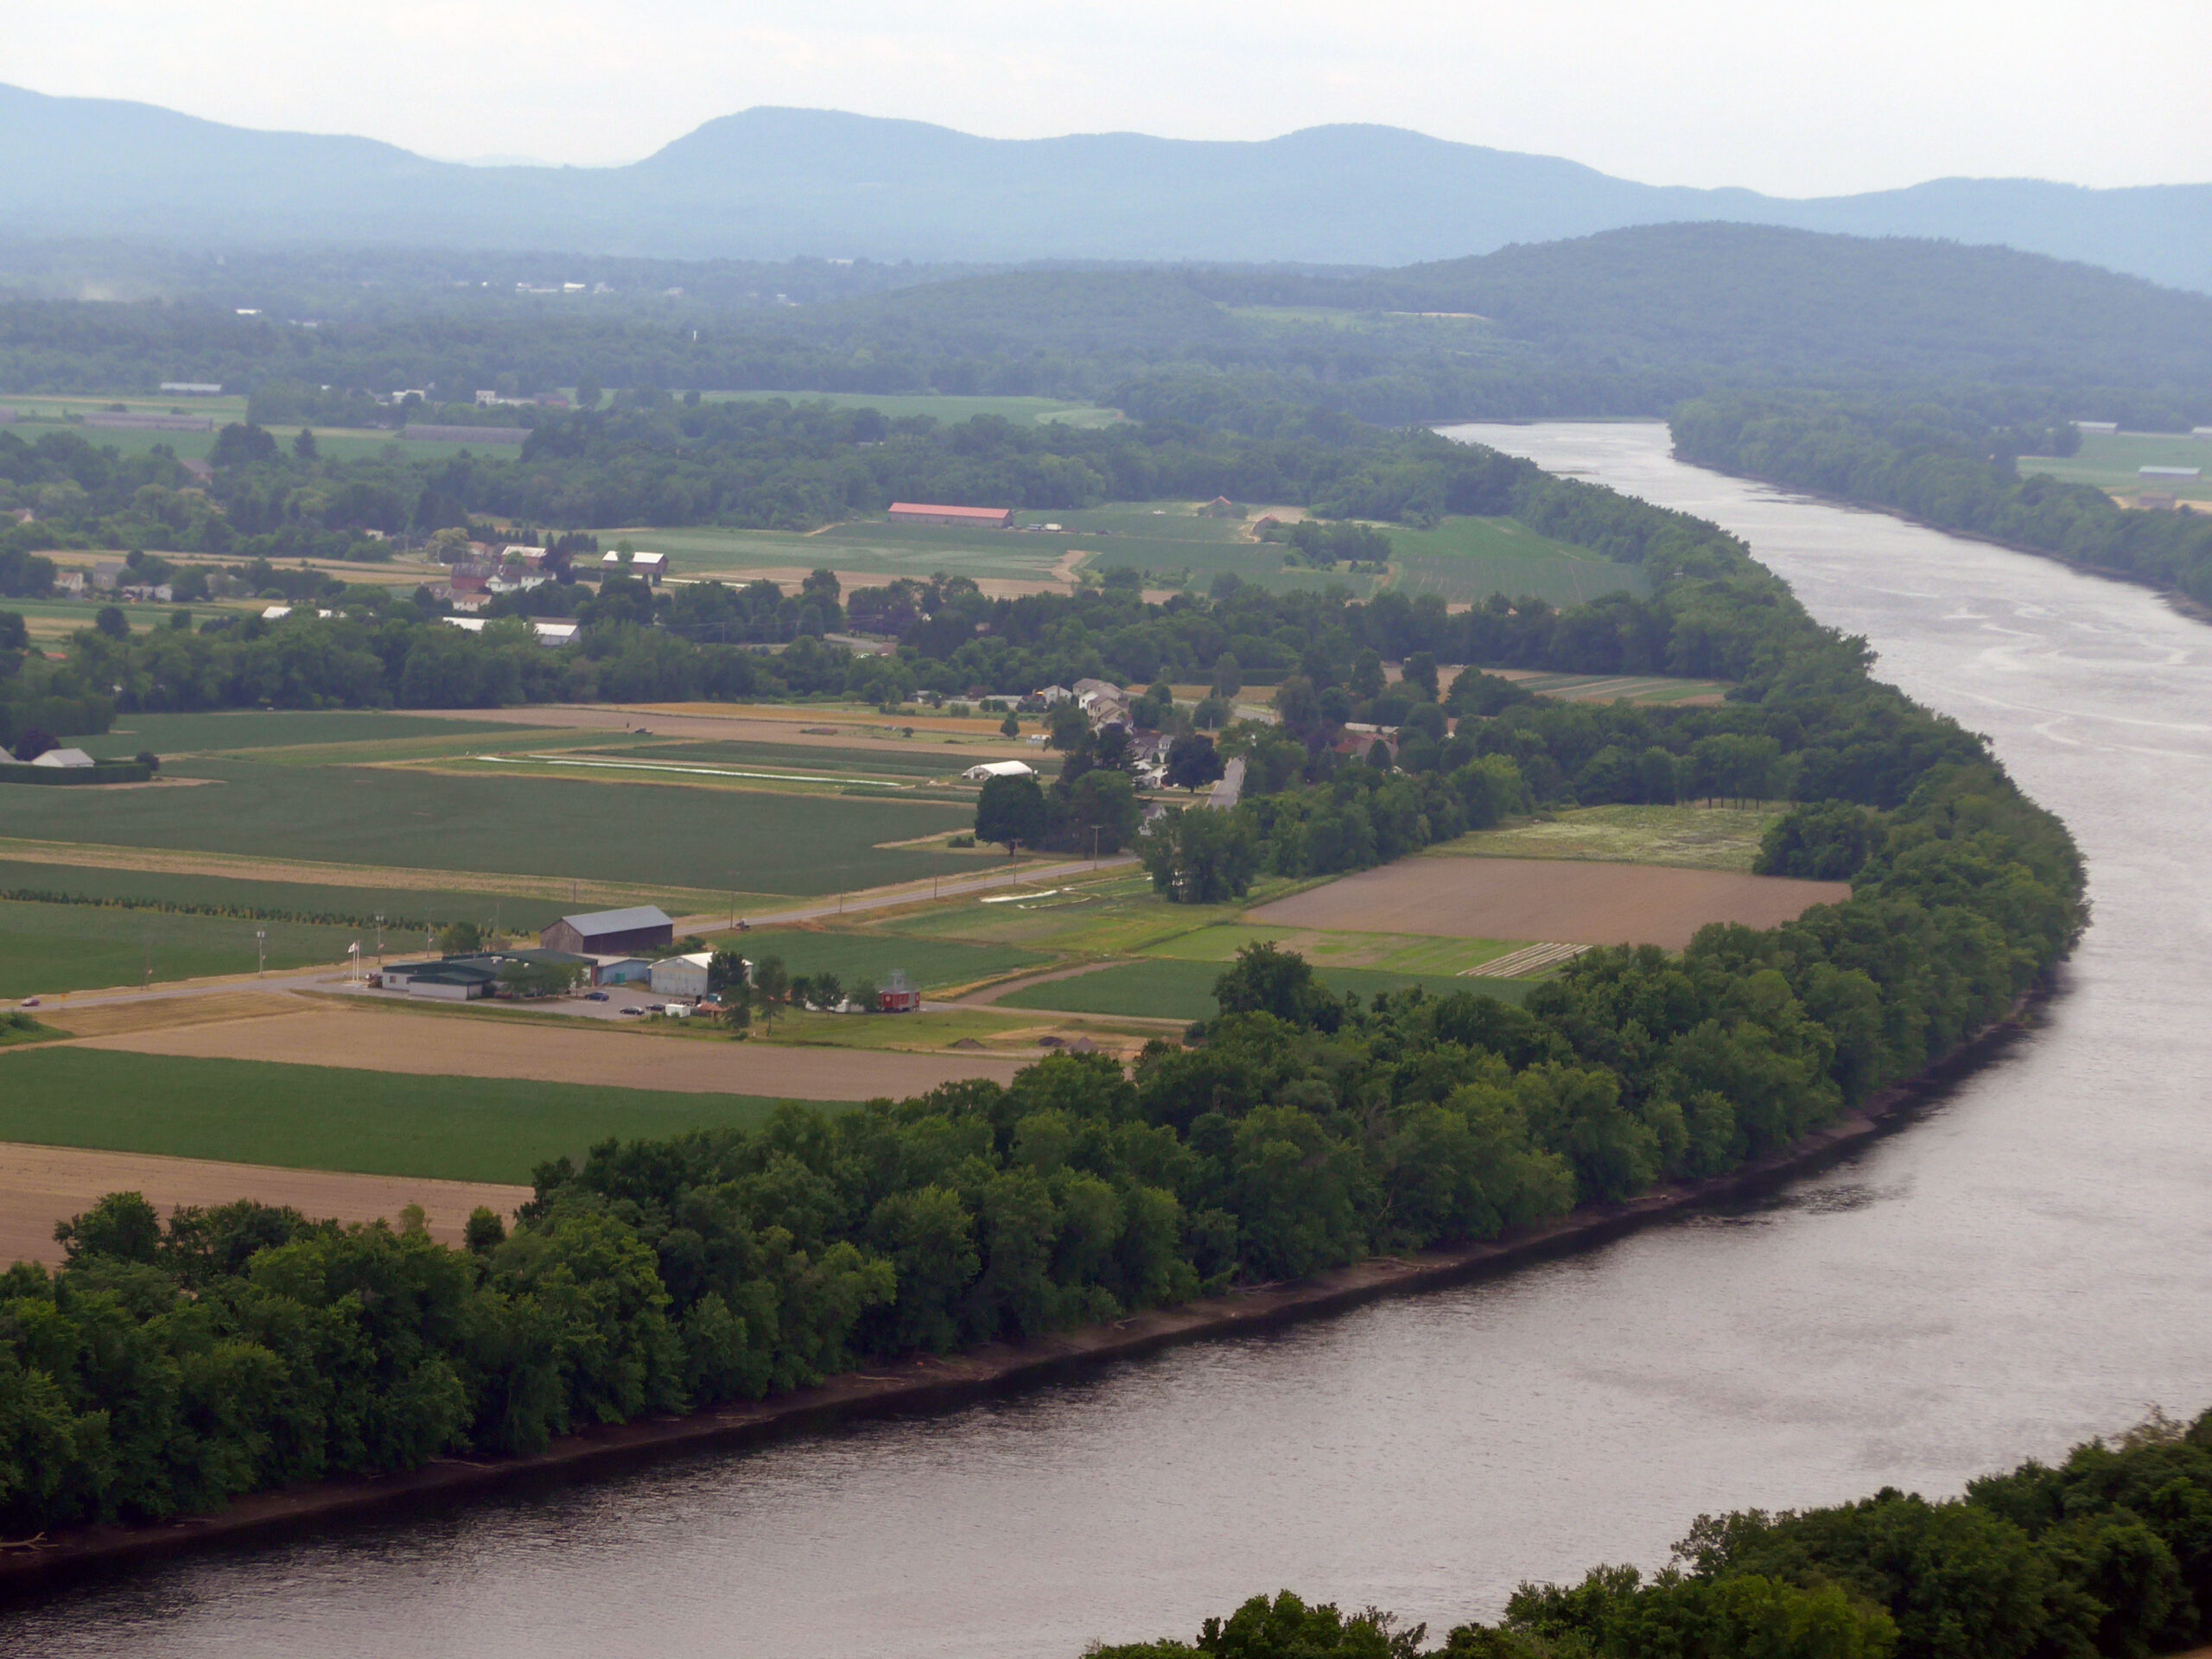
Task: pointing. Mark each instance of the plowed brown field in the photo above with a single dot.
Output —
(1556, 902)
(457, 1045)
(39, 1185)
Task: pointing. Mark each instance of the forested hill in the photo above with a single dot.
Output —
(770, 183)
(1631, 322)
(1796, 305)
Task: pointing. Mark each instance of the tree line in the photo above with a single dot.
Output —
(1949, 466)
(2107, 1554)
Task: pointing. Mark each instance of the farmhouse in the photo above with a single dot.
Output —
(684, 976)
(1000, 769)
(610, 932)
(924, 512)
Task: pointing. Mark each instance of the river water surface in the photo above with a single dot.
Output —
(2023, 1266)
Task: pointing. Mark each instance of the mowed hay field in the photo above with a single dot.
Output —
(756, 840)
(1562, 901)
(1163, 988)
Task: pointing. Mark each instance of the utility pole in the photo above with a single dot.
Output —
(261, 951)
(380, 942)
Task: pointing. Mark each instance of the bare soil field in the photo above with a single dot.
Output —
(453, 1045)
(1569, 902)
(167, 1012)
(810, 725)
(39, 1185)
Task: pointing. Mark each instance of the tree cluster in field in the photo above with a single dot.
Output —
(1949, 466)
(2106, 1555)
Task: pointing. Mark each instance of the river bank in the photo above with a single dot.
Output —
(925, 1384)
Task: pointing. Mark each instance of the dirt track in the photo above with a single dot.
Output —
(457, 1045)
(39, 1185)
(1555, 901)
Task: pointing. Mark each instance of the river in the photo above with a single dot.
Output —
(2021, 1267)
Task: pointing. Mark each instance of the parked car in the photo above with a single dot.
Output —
(595, 996)
(630, 1010)
(30, 1002)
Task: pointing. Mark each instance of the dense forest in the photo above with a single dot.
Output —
(1628, 322)
(1950, 466)
(167, 1366)
(2108, 1553)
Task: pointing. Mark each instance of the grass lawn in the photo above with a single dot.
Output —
(321, 1117)
(401, 905)
(1658, 689)
(786, 844)
(87, 947)
(1163, 989)
(872, 954)
(1688, 837)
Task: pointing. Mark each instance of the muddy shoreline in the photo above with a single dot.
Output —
(927, 1383)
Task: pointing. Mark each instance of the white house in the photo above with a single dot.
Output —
(63, 758)
(1000, 769)
(1051, 694)
(685, 975)
(554, 633)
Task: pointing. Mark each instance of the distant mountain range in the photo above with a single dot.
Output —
(772, 183)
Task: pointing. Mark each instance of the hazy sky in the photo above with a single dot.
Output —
(1793, 97)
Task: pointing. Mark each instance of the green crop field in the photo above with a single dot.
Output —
(1022, 411)
(1466, 560)
(1393, 953)
(871, 954)
(325, 1117)
(2108, 460)
(87, 947)
(1184, 990)
(174, 735)
(404, 905)
(421, 820)
(1619, 688)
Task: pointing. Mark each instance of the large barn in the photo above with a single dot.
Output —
(636, 930)
(924, 512)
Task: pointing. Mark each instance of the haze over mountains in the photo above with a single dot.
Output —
(772, 183)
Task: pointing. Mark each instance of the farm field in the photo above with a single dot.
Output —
(1468, 559)
(915, 761)
(1393, 953)
(784, 844)
(1562, 901)
(1022, 411)
(51, 621)
(2108, 460)
(1184, 990)
(39, 1185)
(1687, 837)
(872, 953)
(338, 443)
(1657, 689)
(448, 1042)
(169, 736)
(309, 1116)
(49, 948)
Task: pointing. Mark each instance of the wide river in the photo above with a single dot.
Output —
(2023, 1266)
